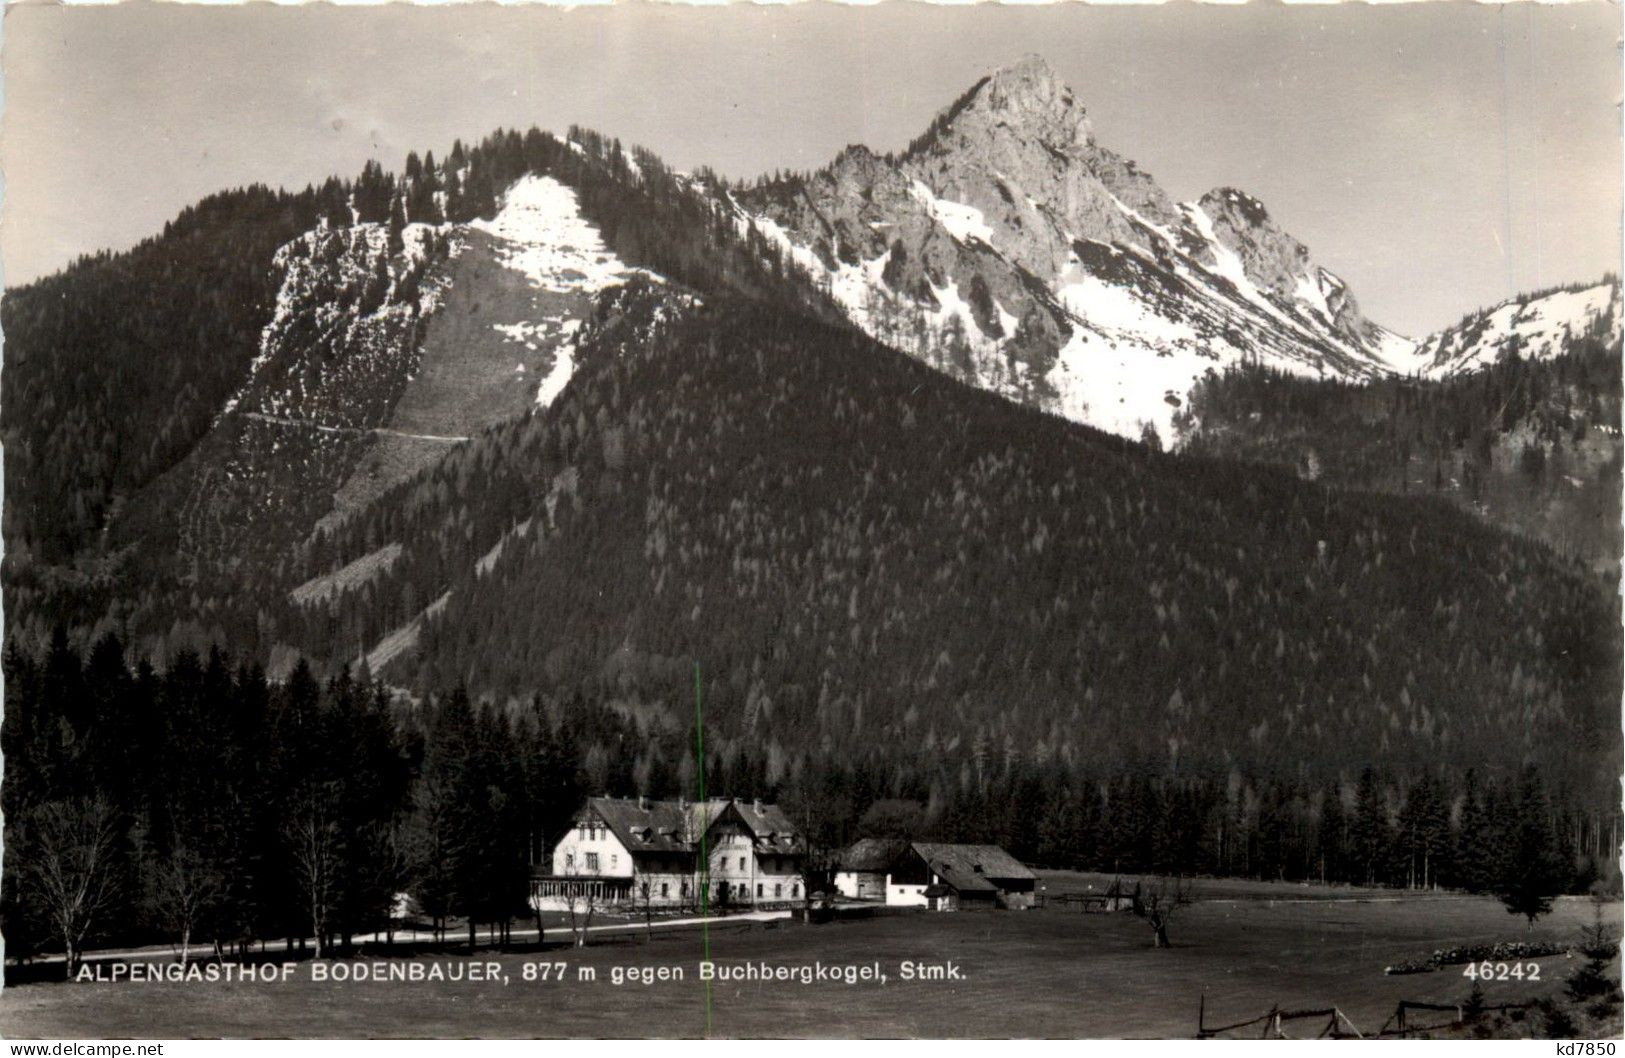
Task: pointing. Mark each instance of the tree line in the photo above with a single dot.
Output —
(205, 806)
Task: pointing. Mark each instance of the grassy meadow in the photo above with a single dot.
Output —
(1243, 948)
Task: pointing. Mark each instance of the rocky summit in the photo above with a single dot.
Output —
(1010, 249)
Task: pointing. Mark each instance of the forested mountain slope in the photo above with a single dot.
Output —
(381, 322)
(117, 366)
(868, 558)
(1530, 441)
(578, 458)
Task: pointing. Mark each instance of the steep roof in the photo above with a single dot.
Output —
(872, 854)
(770, 827)
(972, 868)
(646, 826)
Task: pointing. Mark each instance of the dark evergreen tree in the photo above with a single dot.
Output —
(1534, 872)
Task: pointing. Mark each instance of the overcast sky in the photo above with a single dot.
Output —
(1439, 156)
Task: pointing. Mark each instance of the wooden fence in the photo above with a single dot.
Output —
(1335, 1025)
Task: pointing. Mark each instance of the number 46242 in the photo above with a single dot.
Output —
(1502, 971)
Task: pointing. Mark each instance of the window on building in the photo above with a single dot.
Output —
(741, 863)
(665, 889)
(778, 889)
(613, 859)
(758, 890)
(592, 861)
(795, 889)
(569, 861)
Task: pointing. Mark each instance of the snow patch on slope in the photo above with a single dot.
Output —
(1539, 328)
(961, 221)
(544, 237)
(550, 241)
(1138, 343)
(564, 365)
(324, 260)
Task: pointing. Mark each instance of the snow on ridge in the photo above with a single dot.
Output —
(1541, 327)
(365, 246)
(1228, 265)
(1310, 292)
(853, 286)
(544, 236)
(550, 242)
(1130, 361)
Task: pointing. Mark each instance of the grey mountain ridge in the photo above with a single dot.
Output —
(1009, 222)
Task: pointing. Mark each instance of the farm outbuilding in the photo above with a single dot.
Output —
(941, 877)
(862, 869)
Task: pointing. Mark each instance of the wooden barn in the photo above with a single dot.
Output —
(862, 869)
(933, 875)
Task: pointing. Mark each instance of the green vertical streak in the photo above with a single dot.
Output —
(705, 872)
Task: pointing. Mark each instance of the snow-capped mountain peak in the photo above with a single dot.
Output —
(1009, 248)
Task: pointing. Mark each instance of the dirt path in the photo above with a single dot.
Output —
(353, 431)
(202, 949)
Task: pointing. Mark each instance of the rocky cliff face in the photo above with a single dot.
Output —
(1010, 249)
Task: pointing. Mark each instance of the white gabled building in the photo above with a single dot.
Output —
(634, 852)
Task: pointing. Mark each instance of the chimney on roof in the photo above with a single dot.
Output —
(756, 803)
(641, 804)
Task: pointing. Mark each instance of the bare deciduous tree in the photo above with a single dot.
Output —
(1157, 902)
(312, 837)
(70, 868)
(184, 887)
(646, 898)
(580, 902)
